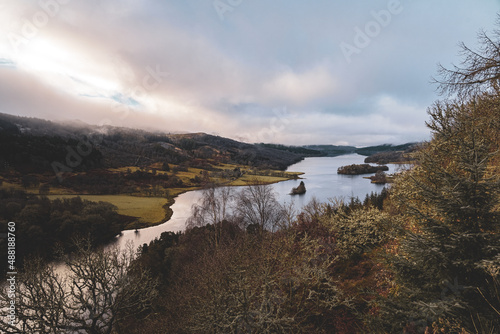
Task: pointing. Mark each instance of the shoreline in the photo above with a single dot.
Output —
(167, 207)
(171, 201)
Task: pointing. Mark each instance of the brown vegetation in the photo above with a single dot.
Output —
(355, 169)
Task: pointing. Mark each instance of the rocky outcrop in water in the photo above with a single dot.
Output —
(301, 189)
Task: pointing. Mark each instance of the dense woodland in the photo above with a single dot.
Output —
(48, 228)
(423, 257)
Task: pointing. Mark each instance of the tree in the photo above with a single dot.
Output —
(92, 294)
(479, 70)
(450, 200)
(165, 167)
(357, 231)
(257, 207)
(281, 284)
(29, 181)
(449, 253)
(214, 208)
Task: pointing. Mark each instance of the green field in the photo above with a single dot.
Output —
(154, 210)
(148, 210)
(251, 179)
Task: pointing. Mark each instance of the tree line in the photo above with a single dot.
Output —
(47, 227)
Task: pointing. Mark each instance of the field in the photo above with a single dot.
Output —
(148, 210)
(252, 179)
(148, 207)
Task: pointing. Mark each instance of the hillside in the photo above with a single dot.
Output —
(331, 150)
(369, 150)
(31, 145)
(381, 154)
(384, 154)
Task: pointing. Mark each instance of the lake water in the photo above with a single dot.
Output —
(322, 181)
(320, 178)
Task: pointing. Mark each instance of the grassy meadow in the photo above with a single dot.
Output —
(148, 210)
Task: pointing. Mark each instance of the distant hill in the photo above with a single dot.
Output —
(31, 145)
(381, 154)
(302, 150)
(201, 144)
(383, 148)
(385, 154)
(331, 150)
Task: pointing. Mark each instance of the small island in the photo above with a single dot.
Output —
(301, 189)
(355, 169)
(380, 178)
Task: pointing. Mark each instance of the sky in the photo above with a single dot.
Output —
(293, 72)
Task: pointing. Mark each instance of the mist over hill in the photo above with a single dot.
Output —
(31, 145)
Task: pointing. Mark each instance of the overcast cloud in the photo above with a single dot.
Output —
(283, 71)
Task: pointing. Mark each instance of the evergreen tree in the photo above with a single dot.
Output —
(451, 240)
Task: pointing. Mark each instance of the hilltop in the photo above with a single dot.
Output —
(106, 163)
(31, 145)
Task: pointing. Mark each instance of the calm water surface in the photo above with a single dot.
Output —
(320, 177)
(323, 182)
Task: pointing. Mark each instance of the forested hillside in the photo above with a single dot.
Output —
(58, 159)
(50, 227)
(33, 145)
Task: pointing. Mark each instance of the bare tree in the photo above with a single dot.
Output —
(314, 209)
(289, 215)
(213, 208)
(96, 290)
(254, 207)
(39, 301)
(479, 70)
(273, 286)
(257, 207)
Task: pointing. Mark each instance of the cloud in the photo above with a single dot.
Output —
(7, 63)
(176, 66)
(301, 88)
(350, 130)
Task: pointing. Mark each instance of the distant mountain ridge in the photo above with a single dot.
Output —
(332, 150)
(384, 153)
(370, 150)
(32, 145)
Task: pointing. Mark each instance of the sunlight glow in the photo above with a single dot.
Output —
(64, 68)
